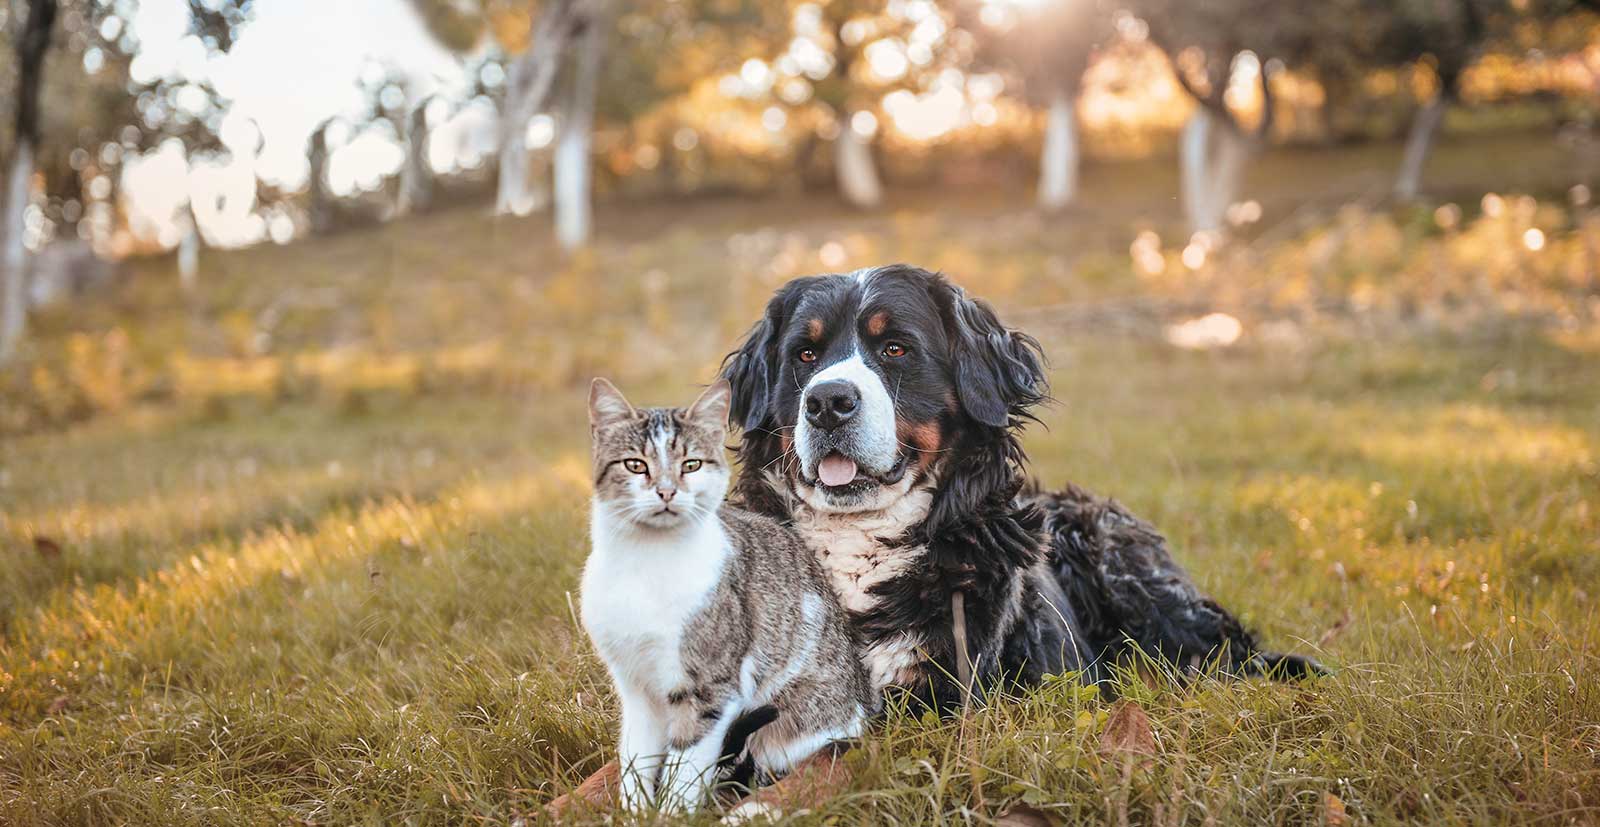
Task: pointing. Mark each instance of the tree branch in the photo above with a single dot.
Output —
(1213, 101)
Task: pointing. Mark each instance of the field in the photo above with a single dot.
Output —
(303, 548)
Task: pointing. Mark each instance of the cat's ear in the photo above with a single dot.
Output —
(711, 409)
(607, 404)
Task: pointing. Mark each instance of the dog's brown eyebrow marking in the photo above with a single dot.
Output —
(814, 329)
(878, 323)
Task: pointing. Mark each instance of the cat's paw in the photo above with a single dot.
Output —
(752, 810)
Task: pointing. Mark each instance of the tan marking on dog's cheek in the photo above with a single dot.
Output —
(926, 437)
(814, 329)
(878, 323)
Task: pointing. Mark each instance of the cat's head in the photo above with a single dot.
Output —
(659, 468)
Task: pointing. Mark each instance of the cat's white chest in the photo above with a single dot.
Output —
(638, 597)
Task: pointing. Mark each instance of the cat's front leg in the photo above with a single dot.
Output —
(690, 771)
(640, 749)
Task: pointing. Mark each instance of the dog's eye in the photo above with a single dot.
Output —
(637, 466)
(806, 354)
(894, 350)
(691, 465)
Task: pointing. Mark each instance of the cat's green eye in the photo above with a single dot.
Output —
(691, 465)
(637, 466)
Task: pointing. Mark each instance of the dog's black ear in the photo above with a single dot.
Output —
(752, 370)
(999, 372)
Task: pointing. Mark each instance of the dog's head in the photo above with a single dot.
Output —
(856, 388)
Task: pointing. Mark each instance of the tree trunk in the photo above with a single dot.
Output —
(853, 165)
(1230, 153)
(416, 178)
(320, 208)
(512, 196)
(13, 256)
(1418, 144)
(189, 252)
(573, 174)
(532, 75)
(1212, 155)
(32, 42)
(1058, 164)
(1194, 151)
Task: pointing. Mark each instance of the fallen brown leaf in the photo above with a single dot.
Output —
(46, 547)
(1024, 815)
(1333, 814)
(1128, 730)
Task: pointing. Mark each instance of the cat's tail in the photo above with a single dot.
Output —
(741, 767)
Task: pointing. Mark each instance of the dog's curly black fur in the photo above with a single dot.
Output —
(1052, 581)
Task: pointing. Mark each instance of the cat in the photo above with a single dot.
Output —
(706, 616)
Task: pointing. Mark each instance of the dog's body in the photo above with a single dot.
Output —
(881, 411)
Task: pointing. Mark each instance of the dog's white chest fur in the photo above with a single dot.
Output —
(860, 551)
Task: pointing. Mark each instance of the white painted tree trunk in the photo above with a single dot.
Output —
(857, 173)
(1194, 146)
(572, 185)
(13, 255)
(1229, 156)
(1058, 163)
(574, 148)
(512, 196)
(1212, 158)
(1418, 144)
(189, 253)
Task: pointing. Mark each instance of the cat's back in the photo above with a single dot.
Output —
(767, 548)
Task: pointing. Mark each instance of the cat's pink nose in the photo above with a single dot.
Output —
(667, 494)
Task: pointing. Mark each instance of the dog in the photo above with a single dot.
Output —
(881, 412)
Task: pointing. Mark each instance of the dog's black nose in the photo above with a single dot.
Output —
(831, 404)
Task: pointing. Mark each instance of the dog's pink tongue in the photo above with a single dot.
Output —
(836, 470)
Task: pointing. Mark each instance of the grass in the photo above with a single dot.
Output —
(311, 559)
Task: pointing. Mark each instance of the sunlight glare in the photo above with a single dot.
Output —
(925, 117)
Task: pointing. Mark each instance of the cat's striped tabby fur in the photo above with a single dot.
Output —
(704, 613)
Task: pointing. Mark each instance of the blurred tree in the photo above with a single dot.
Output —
(1044, 49)
(567, 59)
(1445, 35)
(574, 146)
(100, 115)
(536, 36)
(627, 59)
(319, 207)
(852, 85)
(1217, 47)
(32, 42)
(529, 81)
(400, 115)
(416, 177)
